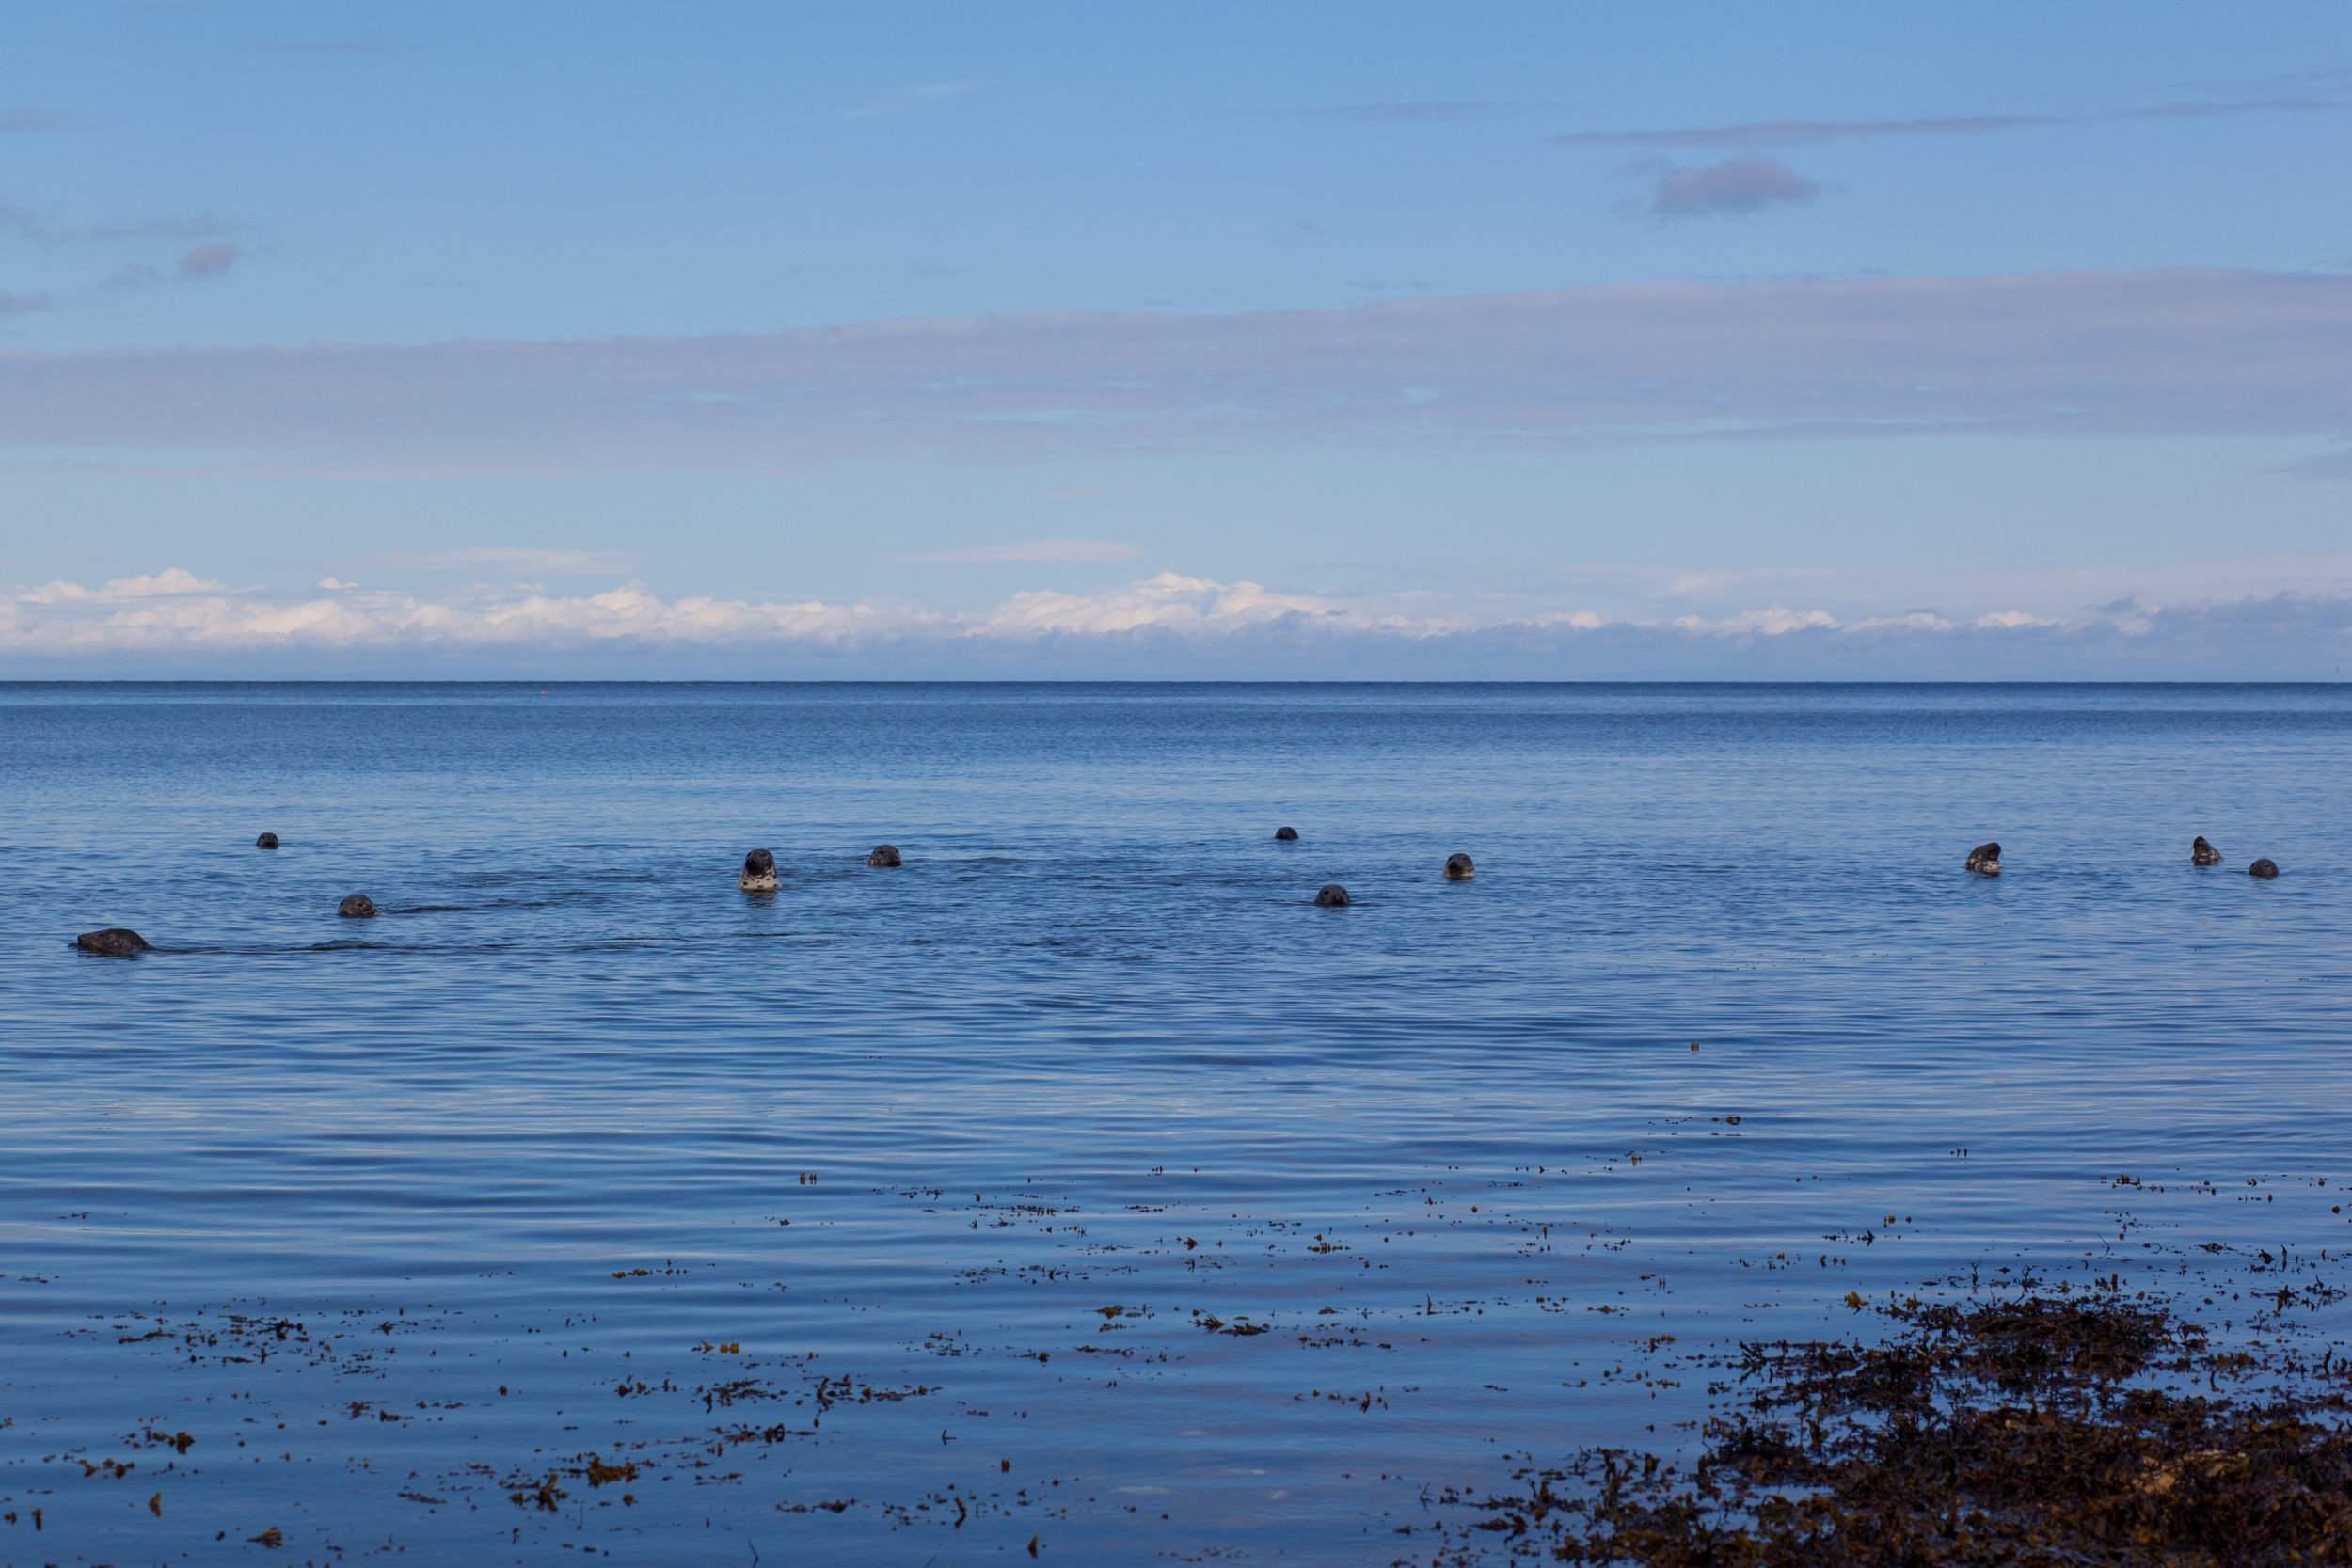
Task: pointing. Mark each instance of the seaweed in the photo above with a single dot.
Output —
(2037, 1431)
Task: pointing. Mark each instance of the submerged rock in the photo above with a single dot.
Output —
(115, 942)
(1459, 869)
(267, 841)
(1332, 895)
(1985, 859)
(884, 855)
(2201, 853)
(1286, 835)
(2265, 869)
(759, 872)
(357, 906)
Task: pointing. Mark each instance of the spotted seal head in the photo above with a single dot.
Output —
(357, 906)
(115, 942)
(267, 841)
(1459, 869)
(2201, 853)
(759, 872)
(884, 855)
(1985, 859)
(1331, 897)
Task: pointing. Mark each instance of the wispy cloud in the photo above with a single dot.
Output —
(1164, 624)
(1036, 549)
(201, 265)
(1416, 112)
(37, 122)
(1806, 132)
(19, 305)
(2055, 353)
(909, 98)
(25, 223)
(1746, 182)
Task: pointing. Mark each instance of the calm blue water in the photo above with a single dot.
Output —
(885, 1220)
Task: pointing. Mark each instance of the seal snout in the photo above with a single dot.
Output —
(759, 872)
(1458, 868)
(357, 906)
(1985, 859)
(884, 855)
(1331, 897)
(115, 942)
(2201, 853)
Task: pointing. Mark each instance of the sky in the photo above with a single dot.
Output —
(1362, 341)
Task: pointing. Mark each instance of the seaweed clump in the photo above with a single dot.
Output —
(2031, 1431)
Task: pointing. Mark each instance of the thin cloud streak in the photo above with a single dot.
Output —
(1807, 132)
(2090, 354)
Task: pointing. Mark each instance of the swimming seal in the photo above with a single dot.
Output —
(2201, 853)
(1985, 859)
(759, 873)
(2266, 868)
(884, 855)
(357, 906)
(1333, 896)
(267, 841)
(1286, 835)
(1459, 869)
(115, 942)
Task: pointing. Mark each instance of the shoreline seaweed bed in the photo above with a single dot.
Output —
(2046, 1428)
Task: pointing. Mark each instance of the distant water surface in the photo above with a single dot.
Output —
(1078, 1185)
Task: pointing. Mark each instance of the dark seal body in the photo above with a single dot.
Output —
(759, 873)
(1333, 896)
(1459, 869)
(357, 906)
(267, 841)
(115, 942)
(1985, 859)
(2266, 868)
(884, 855)
(1286, 835)
(2201, 853)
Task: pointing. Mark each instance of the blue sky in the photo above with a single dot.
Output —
(1521, 340)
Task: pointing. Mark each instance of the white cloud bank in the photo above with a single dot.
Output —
(2055, 353)
(1164, 626)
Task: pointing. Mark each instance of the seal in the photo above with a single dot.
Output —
(1286, 835)
(759, 873)
(1459, 869)
(2201, 853)
(357, 906)
(2266, 868)
(1985, 859)
(1333, 896)
(884, 855)
(115, 942)
(267, 841)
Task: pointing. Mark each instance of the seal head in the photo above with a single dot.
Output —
(357, 906)
(884, 855)
(115, 942)
(1286, 835)
(759, 872)
(2266, 868)
(1985, 859)
(267, 841)
(2201, 853)
(1333, 896)
(1459, 869)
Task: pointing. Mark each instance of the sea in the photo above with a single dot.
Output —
(1079, 1189)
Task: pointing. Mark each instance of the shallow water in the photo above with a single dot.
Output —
(890, 1146)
